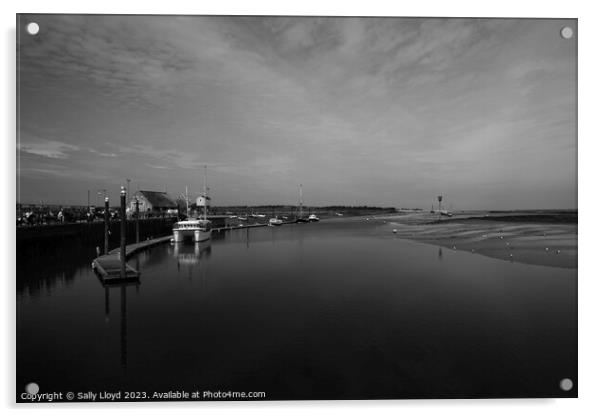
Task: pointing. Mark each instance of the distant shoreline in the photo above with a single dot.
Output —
(567, 217)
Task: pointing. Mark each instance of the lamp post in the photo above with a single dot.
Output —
(137, 221)
(106, 225)
(122, 234)
(127, 196)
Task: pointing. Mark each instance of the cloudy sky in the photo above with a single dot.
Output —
(383, 111)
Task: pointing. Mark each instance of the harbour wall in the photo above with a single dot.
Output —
(89, 234)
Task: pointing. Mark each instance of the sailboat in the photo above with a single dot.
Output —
(274, 220)
(300, 218)
(198, 229)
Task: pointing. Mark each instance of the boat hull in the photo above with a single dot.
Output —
(194, 235)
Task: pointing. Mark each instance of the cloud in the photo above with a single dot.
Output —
(48, 148)
(157, 166)
(333, 102)
(172, 157)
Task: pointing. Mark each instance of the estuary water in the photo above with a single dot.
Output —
(333, 310)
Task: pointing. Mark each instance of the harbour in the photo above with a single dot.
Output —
(317, 285)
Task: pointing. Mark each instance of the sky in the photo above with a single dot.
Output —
(361, 111)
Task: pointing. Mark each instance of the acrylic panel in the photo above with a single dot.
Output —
(295, 208)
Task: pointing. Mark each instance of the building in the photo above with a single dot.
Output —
(152, 203)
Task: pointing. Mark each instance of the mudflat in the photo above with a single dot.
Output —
(537, 238)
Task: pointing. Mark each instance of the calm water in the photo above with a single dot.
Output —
(313, 311)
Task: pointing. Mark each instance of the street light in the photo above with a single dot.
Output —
(127, 195)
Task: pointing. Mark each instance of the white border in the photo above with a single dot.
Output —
(590, 288)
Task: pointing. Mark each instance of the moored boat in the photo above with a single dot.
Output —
(197, 229)
(274, 221)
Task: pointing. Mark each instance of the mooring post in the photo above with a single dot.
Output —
(107, 304)
(137, 221)
(123, 220)
(106, 225)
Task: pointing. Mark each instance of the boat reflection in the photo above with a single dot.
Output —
(191, 253)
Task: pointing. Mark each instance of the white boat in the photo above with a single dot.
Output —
(313, 218)
(199, 230)
(274, 221)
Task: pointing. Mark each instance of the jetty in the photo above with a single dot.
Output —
(108, 266)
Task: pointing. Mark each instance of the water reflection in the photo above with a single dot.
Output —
(328, 311)
(60, 263)
(191, 254)
(123, 316)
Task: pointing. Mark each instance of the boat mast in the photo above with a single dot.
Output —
(187, 210)
(205, 194)
(300, 200)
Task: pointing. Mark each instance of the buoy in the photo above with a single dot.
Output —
(454, 248)
(394, 230)
(558, 251)
(501, 237)
(547, 249)
(507, 243)
(511, 255)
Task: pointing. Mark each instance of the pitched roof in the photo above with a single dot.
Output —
(157, 199)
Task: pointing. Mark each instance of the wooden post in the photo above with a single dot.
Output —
(137, 221)
(123, 220)
(106, 225)
(107, 304)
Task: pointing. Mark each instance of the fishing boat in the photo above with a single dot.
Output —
(199, 229)
(313, 218)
